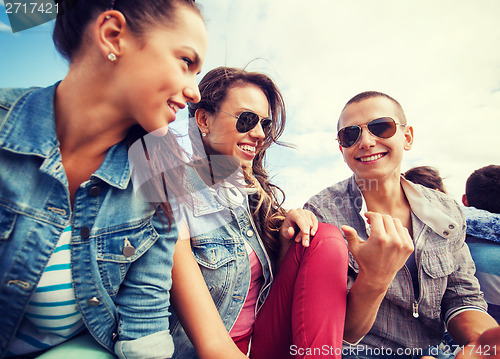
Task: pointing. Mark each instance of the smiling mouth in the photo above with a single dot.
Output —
(173, 106)
(247, 148)
(371, 158)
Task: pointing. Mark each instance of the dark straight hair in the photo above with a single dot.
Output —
(75, 15)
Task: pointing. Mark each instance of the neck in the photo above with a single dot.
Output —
(384, 196)
(88, 122)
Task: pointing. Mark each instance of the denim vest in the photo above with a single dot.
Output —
(218, 232)
(121, 294)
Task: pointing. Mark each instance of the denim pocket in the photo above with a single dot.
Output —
(118, 247)
(217, 265)
(7, 222)
(212, 255)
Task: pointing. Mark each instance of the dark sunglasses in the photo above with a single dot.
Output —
(247, 120)
(384, 127)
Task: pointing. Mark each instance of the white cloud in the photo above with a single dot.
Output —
(436, 58)
(4, 27)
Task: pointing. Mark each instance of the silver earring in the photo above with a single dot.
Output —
(108, 17)
(204, 134)
(111, 57)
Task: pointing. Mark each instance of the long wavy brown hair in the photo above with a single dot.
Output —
(267, 210)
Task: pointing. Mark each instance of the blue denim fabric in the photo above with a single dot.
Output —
(120, 298)
(483, 239)
(218, 234)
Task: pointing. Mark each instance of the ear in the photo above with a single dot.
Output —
(111, 28)
(408, 138)
(464, 200)
(202, 120)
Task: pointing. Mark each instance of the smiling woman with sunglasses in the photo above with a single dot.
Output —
(239, 276)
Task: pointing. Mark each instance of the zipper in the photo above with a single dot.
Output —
(417, 301)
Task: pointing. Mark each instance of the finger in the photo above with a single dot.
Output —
(352, 238)
(288, 232)
(376, 222)
(404, 234)
(315, 222)
(304, 222)
(305, 240)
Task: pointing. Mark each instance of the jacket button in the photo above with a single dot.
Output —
(94, 191)
(451, 226)
(249, 233)
(85, 232)
(128, 249)
(446, 233)
(57, 167)
(93, 302)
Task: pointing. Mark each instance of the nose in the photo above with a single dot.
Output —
(191, 91)
(366, 139)
(257, 132)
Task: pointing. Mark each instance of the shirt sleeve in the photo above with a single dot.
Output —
(462, 292)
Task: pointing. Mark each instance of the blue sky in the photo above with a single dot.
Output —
(440, 59)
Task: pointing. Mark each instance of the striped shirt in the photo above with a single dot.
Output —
(51, 316)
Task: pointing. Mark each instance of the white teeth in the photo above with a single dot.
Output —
(174, 106)
(247, 148)
(371, 158)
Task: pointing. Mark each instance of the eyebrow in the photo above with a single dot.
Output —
(195, 54)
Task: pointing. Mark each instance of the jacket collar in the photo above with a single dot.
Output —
(30, 130)
(421, 206)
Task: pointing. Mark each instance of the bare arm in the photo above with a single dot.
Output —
(468, 326)
(379, 259)
(487, 346)
(195, 308)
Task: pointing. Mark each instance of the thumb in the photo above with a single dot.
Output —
(352, 238)
(288, 232)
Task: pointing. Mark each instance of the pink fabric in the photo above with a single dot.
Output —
(246, 318)
(303, 316)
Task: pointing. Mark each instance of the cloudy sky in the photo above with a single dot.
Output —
(440, 59)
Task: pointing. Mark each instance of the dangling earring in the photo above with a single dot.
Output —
(111, 57)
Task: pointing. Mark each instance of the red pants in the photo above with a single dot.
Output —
(303, 316)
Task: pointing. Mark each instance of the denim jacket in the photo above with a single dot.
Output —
(218, 231)
(447, 285)
(122, 295)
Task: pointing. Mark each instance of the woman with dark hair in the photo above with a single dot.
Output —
(239, 276)
(79, 250)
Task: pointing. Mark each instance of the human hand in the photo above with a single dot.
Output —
(384, 253)
(299, 223)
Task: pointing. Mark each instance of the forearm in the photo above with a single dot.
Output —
(363, 303)
(467, 326)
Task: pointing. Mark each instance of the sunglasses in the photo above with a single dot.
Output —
(384, 127)
(247, 120)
